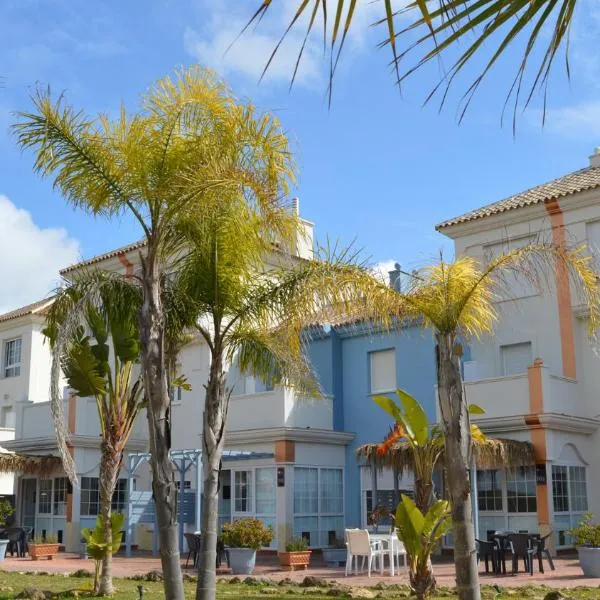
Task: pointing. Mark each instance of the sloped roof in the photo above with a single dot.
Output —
(36, 308)
(107, 255)
(572, 183)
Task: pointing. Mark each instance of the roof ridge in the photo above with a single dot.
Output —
(570, 183)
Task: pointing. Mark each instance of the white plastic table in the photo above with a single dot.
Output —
(391, 542)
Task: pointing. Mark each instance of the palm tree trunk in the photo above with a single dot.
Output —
(215, 415)
(110, 463)
(152, 330)
(455, 421)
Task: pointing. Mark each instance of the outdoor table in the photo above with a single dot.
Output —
(501, 538)
(390, 540)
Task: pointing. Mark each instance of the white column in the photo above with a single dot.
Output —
(474, 498)
(198, 493)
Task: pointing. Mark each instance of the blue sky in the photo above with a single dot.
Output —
(377, 168)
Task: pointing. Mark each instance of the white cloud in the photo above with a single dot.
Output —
(382, 269)
(577, 121)
(223, 20)
(31, 257)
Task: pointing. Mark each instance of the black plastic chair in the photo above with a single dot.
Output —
(193, 542)
(14, 535)
(521, 548)
(540, 550)
(487, 551)
(502, 546)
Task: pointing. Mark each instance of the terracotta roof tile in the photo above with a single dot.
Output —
(101, 257)
(36, 308)
(573, 183)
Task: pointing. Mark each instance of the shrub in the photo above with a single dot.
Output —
(6, 511)
(247, 533)
(298, 544)
(586, 533)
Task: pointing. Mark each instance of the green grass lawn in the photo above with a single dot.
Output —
(60, 586)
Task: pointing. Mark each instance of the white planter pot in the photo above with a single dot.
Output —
(589, 560)
(242, 560)
(3, 546)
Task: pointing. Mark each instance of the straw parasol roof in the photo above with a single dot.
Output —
(28, 464)
(489, 454)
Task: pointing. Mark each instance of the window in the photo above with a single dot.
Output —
(59, 504)
(12, 358)
(266, 485)
(319, 505)
(569, 489)
(383, 371)
(243, 491)
(514, 282)
(489, 490)
(560, 488)
(90, 496)
(332, 491)
(578, 489)
(187, 485)
(306, 490)
(7, 417)
(45, 503)
(176, 394)
(119, 499)
(516, 358)
(521, 490)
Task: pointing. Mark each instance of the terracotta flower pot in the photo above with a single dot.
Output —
(37, 551)
(290, 561)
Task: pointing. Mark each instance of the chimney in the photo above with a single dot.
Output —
(296, 206)
(595, 158)
(394, 276)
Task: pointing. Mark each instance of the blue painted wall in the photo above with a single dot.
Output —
(341, 361)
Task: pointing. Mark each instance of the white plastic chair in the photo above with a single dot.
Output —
(398, 550)
(360, 545)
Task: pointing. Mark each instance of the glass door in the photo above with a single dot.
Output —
(29, 487)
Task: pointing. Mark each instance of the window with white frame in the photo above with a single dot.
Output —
(266, 486)
(521, 494)
(569, 499)
(12, 357)
(514, 283)
(383, 370)
(7, 417)
(319, 504)
(45, 502)
(516, 358)
(243, 491)
(489, 491)
(90, 496)
(59, 502)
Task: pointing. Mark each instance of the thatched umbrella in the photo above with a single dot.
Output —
(489, 454)
(28, 464)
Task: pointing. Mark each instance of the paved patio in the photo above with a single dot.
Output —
(567, 574)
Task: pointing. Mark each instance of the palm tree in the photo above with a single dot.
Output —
(428, 32)
(95, 342)
(190, 138)
(458, 301)
(251, 302)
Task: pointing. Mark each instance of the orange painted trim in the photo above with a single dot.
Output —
(127, 264)
(538, 434)
(285, 451)
(563, 293)
(72, 413)
(536, 393)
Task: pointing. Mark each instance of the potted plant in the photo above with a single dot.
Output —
(586, 537)
(43, 547)
(242, 539)
(379, 513)
(6, 512)
(296, 555)
(335, 556)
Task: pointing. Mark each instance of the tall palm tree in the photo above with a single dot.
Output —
(190, 137)
(431, 31)
(458, 301)
(250, 301)
(93, 330)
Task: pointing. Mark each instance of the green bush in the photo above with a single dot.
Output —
(298, 544)
(6, 511)
(586, 533)
(247, 533)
